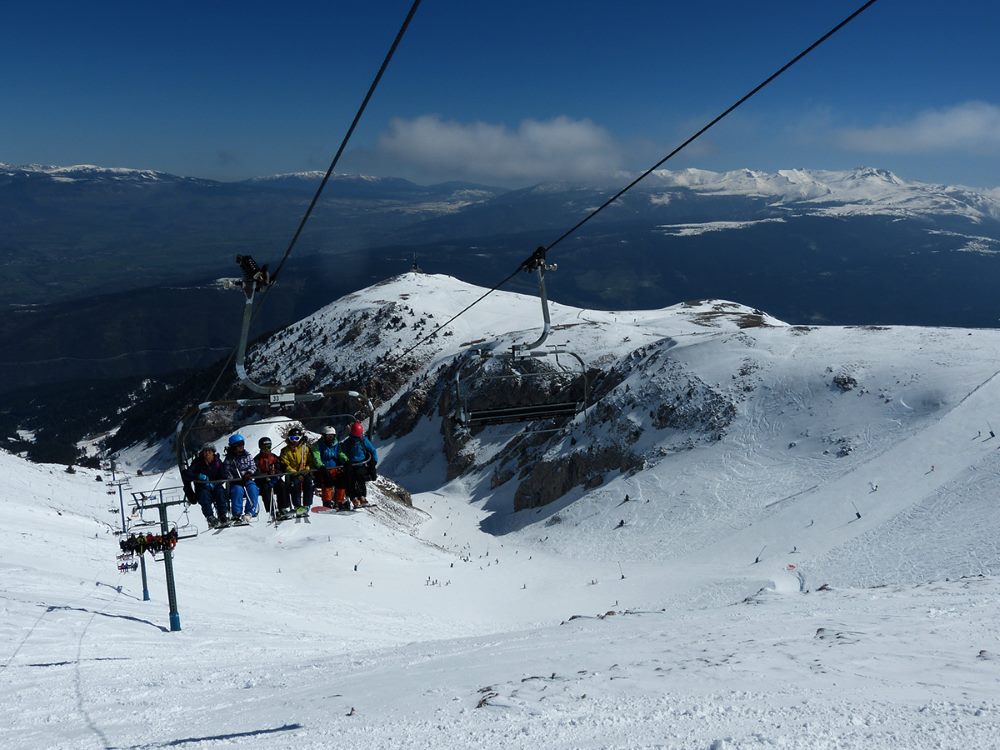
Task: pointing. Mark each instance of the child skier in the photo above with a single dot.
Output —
(240, 470)
(268, 465)
(297, 463)
(329, 457)
(362, 459)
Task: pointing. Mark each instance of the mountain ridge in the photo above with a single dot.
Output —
(869, 189)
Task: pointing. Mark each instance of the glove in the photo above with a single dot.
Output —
(202, 478)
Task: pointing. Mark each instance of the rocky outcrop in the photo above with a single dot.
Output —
(845, 382)
(550, 480)
(394, 491)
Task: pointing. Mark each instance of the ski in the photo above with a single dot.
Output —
(288, 515)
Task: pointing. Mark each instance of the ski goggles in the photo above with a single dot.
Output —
(294, 438)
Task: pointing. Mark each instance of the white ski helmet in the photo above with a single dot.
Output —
(328, 430)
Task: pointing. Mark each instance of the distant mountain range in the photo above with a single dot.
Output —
(96, 230)
(862, 191)
(112, 270)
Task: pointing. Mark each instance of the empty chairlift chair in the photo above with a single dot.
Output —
(518, 385)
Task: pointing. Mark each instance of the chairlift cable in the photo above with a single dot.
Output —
(347, 136)
(645, 174)
(705, 128)
(326, 178)
(343, 145)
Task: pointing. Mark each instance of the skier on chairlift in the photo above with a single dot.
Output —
(330, 458)
(362, 458)
(240, 471)
(269, 481)
(297, 461)
(204, 483)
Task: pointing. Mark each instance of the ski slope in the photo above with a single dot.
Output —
(735, 600)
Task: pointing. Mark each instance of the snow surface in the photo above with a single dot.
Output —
(690, 230)
(742, 604)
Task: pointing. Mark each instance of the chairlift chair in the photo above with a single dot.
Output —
(472, 376)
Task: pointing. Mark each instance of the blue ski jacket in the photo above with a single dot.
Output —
(358, 450)
(330, 454)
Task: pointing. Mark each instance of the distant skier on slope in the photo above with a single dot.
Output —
(362, 459)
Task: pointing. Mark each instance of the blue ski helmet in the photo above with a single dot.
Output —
(236, 439)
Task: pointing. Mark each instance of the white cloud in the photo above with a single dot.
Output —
(972, 127)
(557, 149)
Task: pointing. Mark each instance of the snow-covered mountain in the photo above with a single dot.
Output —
(862, 191)
(89, 173)
(344, 185)
(446, 197)
(684, 400)
(757, 535)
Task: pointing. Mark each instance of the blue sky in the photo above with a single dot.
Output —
(505, 93)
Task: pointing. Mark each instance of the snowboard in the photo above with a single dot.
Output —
(324, 509)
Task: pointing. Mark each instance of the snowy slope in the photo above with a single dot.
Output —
(784, 436)
(463, 623)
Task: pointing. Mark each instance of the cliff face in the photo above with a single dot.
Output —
(643, 393)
